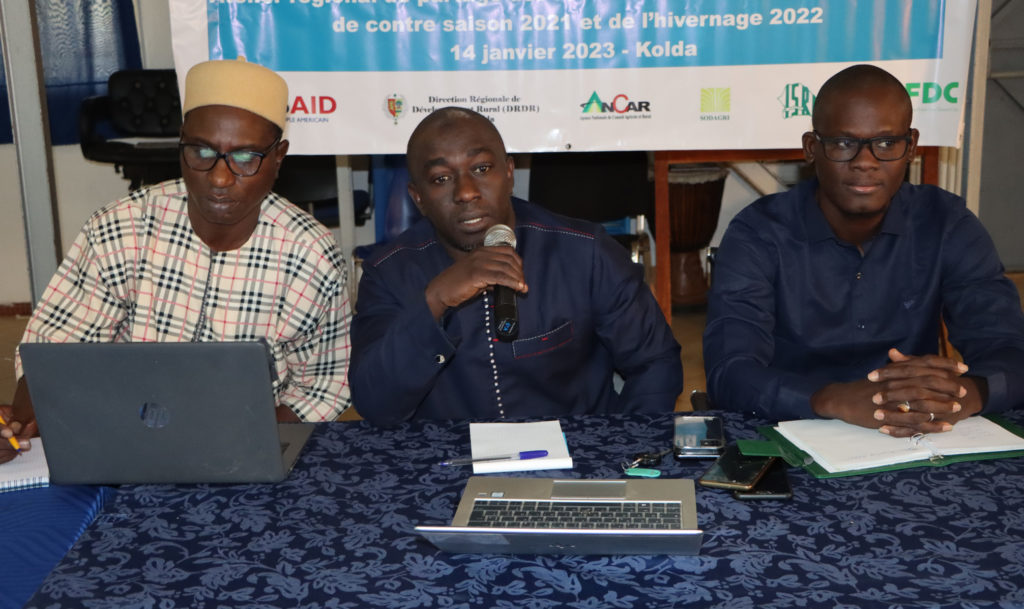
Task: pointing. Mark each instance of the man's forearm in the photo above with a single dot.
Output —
(395, 364)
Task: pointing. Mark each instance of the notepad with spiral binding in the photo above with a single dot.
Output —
(830, 448)
(27, 470)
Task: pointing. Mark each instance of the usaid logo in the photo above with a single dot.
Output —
(311, 109)
(313, 104)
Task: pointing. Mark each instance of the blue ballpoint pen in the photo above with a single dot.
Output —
(526, 454)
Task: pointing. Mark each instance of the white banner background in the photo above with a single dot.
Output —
(644, 107)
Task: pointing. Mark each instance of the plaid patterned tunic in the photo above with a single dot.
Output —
(138, 272)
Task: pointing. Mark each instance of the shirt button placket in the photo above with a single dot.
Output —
(858, 292)
(490, 348)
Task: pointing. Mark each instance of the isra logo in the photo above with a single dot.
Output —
(620, 104)
(394, 106)
(796, 100)
(715, 104)
(932, 92)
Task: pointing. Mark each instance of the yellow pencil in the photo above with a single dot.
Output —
(12, 439)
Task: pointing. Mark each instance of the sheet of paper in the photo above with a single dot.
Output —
(501, 439)
(839, 446)
(27, 470)
(975, 435)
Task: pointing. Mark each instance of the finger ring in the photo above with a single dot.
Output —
(931, 417)
(904, 406)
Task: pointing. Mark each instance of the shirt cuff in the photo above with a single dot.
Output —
(794, 399)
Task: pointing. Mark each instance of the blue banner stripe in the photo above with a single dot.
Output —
(427, 35)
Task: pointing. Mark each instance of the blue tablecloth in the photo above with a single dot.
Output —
(39, 525)
(339, 533)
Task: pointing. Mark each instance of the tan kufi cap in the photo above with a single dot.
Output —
(237, 83)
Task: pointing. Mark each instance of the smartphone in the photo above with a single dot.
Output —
(698, 437)
(773, 485)
(733, 470)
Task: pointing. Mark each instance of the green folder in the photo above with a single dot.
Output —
(778, 446)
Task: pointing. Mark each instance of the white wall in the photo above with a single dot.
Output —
(14, 285)
(82, 186)
(153, 18)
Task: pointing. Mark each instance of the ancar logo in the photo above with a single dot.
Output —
(796, 100)
(620, 104)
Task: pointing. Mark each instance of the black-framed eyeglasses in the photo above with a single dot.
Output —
(242, 163)
(883, 147)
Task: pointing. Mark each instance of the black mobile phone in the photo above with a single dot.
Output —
(698, 437)
(733, 470)
(773, 485)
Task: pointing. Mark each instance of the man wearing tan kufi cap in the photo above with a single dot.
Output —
(213, 256)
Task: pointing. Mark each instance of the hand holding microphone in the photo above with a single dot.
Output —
(506, 313)
(487, 267)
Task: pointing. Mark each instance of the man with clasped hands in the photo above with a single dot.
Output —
(827, 299)
(424, 339)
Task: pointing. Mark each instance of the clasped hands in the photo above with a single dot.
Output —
(910, 395)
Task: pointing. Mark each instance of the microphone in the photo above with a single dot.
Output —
(506, 314)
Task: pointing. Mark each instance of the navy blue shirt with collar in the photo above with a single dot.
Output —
(793, 308)
(587, 315)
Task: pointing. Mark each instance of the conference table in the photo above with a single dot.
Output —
(339, 533)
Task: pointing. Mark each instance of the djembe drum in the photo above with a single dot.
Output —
(695, 200)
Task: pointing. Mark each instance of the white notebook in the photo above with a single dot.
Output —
(499, 439)
(27, 470)
(839, 446)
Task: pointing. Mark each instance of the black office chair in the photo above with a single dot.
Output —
(134, 126)
(311, 182)
(611, 188)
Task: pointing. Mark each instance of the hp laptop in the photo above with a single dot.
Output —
(159, 413)
(564, 516)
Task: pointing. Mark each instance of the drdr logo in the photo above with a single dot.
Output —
(620, 104)
(932, 92)
(313, 104)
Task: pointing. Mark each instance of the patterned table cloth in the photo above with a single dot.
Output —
(338, 533)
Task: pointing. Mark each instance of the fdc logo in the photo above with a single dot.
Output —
(932, 92)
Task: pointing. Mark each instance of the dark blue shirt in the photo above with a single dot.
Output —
(792, 308)
(587, 314)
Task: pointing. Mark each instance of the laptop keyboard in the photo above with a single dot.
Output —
(515, 514)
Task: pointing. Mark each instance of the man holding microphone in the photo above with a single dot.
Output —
(428, 340)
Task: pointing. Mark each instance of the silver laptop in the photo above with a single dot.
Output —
(159, 413)
(564, 516)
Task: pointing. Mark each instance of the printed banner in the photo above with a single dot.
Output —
(582, 74)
